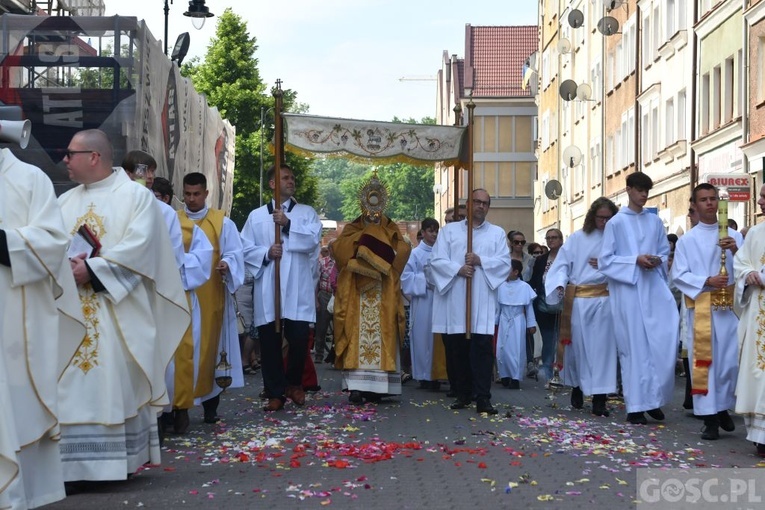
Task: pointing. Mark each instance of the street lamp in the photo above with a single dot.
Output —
(198, 12)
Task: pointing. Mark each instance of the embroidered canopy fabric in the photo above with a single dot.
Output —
(363, 139)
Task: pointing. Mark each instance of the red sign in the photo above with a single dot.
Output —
(739, 186)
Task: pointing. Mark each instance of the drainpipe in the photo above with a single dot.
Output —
(693, 170)
(638, 88)
(744, 74)
(603, 136)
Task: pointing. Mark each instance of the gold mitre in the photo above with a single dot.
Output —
(373, 198)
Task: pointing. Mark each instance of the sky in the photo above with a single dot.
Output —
(345, 58)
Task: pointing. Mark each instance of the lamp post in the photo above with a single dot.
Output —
(198, 12)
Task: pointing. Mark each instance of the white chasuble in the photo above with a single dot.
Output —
(114, 386)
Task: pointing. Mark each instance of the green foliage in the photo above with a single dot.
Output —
(230, 79)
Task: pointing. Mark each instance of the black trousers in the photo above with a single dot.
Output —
(275, 378)
(473, 363)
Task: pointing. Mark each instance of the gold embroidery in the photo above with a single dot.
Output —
(94, 222)
(87, 354)
(370, 341)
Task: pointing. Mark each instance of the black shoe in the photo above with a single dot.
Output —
(688, 404)
(424, 385)
(211, 409)
(166, 421)
(181, 421)
(330, 357)
(460, 404)
(371, 397)
(636, 418)
(355, 397)
(515, 384)
(451, 394)
(484, 406)
(760, 449)
(577, 398)
(711, 429)
(599, 405)
(505, 382)
(435, 386)
(726, 422)
(656, 414)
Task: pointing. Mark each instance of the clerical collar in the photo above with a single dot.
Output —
(197, 215)
(707, 226)
(287, 204)
(106, 182)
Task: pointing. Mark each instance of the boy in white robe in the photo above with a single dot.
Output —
(634, 260)
(749, 274)
(41, 326)
(515, 318)
(711, 332)
(586, 326)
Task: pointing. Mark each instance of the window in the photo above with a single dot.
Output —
(727, 113)
(618, 153)
(534, 131)
(655, 128)
(716, 97)
(611, 71)
(566, 110)
(596, 78)
(609, 162)
(656, 29)
(646, 43)
(646, 150)
(545, 130)
(681, 120)
(682, 14)
(669, 123)
(669, 19)
(546, 71)
(630, 46)
(596, 164)
(706, 97)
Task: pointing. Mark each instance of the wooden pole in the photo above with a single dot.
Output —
(278, 161)
(469, 211)
(457, 122)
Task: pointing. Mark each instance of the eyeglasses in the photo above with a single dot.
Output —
(482, 203)
(69, 153)
(551, 238)
(602, 218)
(518, 243)
(537, 252)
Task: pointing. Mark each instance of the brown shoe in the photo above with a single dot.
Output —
(274, 404)
(181, 421)
(296, 394)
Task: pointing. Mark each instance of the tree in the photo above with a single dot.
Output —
(230, 79)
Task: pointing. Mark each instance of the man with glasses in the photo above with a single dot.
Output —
(586, 328)
(135, 311)
(634, 260)
(485, 268)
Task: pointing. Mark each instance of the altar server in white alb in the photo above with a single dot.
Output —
(181, 375)
(485, 268)
(515, 319)
(634, 260)
(586, 330)
(749, 274)
(711, 333)
(428, 359)
(298, 255)
(135, 312)
(40, 329)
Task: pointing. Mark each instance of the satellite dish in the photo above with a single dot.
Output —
(553, 189)
(568, 90)
(564, 46)
(584, 92)
(572, 156)
(576, 18)
(613, 4)
(608, 26)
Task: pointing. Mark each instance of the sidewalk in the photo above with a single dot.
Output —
(414, 452)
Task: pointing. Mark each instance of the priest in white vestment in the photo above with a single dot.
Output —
(634, 260)
(749, 302)
(135, 312)
(586, 325)
(515, 319)
(41, 327)
(485, 268)
(711, 323)
(298, 256)
(427, 350)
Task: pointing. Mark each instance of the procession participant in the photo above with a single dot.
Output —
(548, 316)
(586, 327)
(135, 312)
(711, 330)
(180, 376)
(693, 220)
(515, 318)
(324, 293)
(297, 254)
(218, 331)
(485, 269)
(633, 259)
(370, 255)
(517, 242)
(41, 326)
(427, 350)
(748, 272)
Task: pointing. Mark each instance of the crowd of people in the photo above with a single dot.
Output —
(120, 314)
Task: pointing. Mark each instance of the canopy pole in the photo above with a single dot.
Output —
(469, 215)
(278, 162)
